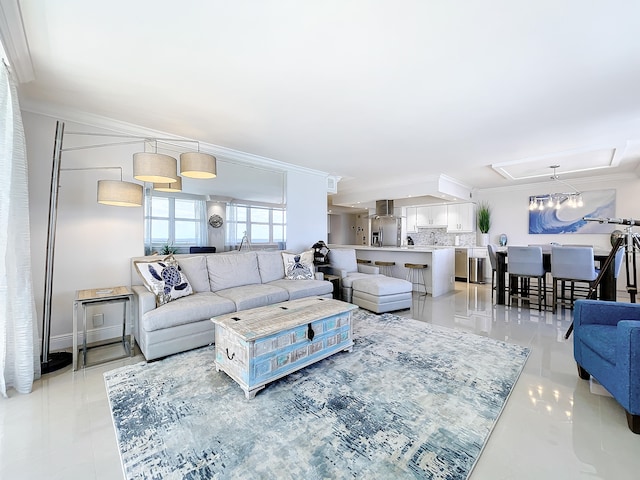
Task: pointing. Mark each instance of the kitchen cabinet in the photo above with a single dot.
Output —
(431, 216)
(412, 226)
(461, 217)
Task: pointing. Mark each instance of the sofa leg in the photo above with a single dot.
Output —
(582, 373)
(634, 422)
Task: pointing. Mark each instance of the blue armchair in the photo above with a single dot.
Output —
(606, 344)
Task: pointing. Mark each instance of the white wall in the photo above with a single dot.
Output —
(94, 243)
(306, 210)
(343, 228)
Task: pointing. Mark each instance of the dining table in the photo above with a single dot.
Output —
(607, 290)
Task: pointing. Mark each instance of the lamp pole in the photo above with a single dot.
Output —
(50, 362)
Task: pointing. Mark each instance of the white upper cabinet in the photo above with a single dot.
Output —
(461, 217)
(412, 226)
(431, 216)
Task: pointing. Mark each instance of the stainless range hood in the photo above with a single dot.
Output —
(384, 208)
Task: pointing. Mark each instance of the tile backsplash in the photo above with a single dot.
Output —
(440, 236)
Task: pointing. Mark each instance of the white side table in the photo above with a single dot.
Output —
(97, 296)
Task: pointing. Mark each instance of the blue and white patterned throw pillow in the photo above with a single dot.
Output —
(298, 266)
(164, 279)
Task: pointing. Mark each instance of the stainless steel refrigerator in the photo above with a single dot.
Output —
(386, 232)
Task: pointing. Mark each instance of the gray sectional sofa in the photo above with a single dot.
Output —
(222, 283)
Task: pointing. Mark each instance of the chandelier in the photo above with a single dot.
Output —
(556, 200)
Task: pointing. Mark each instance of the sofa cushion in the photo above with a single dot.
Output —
(343, 259)
(199, 306)
(195, 268)
(165, 279)
(298, 266)
(270, 266)
(228, 270)
(252, 296)
(307, 288)
(380, 285)
(600, 339)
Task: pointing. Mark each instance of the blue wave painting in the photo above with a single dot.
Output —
(597, 203)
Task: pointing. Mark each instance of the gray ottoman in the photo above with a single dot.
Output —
(381, 294)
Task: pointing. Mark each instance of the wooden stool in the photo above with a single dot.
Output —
(415, 275)
(386, 268)
(359, 260)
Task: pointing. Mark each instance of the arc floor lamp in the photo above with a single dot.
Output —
(156, 168)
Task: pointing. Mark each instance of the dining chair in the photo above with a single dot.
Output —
(525, 264)
(571, 264)
(491, 248)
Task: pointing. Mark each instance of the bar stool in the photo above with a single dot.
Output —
(415, 275)
(386, 268)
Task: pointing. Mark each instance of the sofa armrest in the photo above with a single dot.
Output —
(145, 300)
(368, 269)
(319, 276)
(339, 272)
(601, 312)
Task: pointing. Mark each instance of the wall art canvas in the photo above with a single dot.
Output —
(596, 203)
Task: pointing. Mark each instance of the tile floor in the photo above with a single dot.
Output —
(555, 426)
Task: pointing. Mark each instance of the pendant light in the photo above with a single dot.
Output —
(556, 200)
(169, 187)
(197, 165)
(155, 167)
(119, 193)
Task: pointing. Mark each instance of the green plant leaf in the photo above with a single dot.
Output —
(484, 217)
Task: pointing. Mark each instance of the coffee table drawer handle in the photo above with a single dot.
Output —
(232, 355)
(310, 333)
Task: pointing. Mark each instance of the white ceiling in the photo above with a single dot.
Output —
(377, 92)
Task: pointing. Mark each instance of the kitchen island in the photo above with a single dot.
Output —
(439, 276)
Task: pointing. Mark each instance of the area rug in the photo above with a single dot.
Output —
(412, 400)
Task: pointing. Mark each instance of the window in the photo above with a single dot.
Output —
(263, 225)
(174, 221)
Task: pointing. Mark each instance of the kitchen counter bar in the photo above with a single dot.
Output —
(439, 276)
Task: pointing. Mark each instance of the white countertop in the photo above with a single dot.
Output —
(421, 248)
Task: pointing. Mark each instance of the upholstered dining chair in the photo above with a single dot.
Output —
(525, 264)
(491, 249)
(571, 264)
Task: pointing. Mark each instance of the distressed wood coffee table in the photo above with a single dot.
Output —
(258, 346)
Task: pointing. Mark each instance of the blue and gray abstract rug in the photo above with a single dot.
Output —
(411, 401)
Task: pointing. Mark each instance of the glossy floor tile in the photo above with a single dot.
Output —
(554, 426)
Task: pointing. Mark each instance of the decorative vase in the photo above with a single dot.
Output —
(484, 239)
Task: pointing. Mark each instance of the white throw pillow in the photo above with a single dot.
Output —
(164, 279)
(298, 266)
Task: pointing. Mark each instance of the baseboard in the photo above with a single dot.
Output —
(64, 342)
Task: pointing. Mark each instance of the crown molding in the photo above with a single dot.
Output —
(14, 41)
(120, 127)
(616, 177)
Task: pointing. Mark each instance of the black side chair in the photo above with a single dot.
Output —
(202, 249)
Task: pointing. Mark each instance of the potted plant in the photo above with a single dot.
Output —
(484, 222)
(168, 250)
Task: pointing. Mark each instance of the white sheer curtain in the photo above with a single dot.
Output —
(19, 353)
